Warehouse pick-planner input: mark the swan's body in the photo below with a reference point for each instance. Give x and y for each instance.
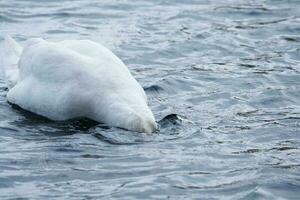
(75, 78)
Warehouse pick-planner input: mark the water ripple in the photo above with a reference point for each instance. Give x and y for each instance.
(222, 79)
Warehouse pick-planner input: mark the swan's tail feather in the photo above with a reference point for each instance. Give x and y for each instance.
(10, 58)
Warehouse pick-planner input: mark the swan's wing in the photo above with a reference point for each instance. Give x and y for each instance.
(51, 80)
(51, 62)
(54, 101)
(94, 50)
(107, 60)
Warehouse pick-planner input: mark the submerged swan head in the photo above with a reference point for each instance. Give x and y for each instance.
(129, 119)
(144, 124)
(131, 113)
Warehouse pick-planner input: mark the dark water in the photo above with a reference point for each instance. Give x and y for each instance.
(222, 77)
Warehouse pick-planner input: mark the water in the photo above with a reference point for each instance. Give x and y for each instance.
(222, 77)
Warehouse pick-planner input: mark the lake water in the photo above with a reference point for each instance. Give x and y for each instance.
(222, 78)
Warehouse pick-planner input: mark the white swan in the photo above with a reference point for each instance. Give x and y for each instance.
(75, 78)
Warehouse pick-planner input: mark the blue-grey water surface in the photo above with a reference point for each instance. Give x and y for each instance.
(222, 78)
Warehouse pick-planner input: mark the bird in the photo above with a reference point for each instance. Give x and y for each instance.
(70, 79)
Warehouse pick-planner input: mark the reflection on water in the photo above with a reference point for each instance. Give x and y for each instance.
(222, 78)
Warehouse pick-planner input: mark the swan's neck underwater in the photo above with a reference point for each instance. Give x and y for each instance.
(135, 117)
